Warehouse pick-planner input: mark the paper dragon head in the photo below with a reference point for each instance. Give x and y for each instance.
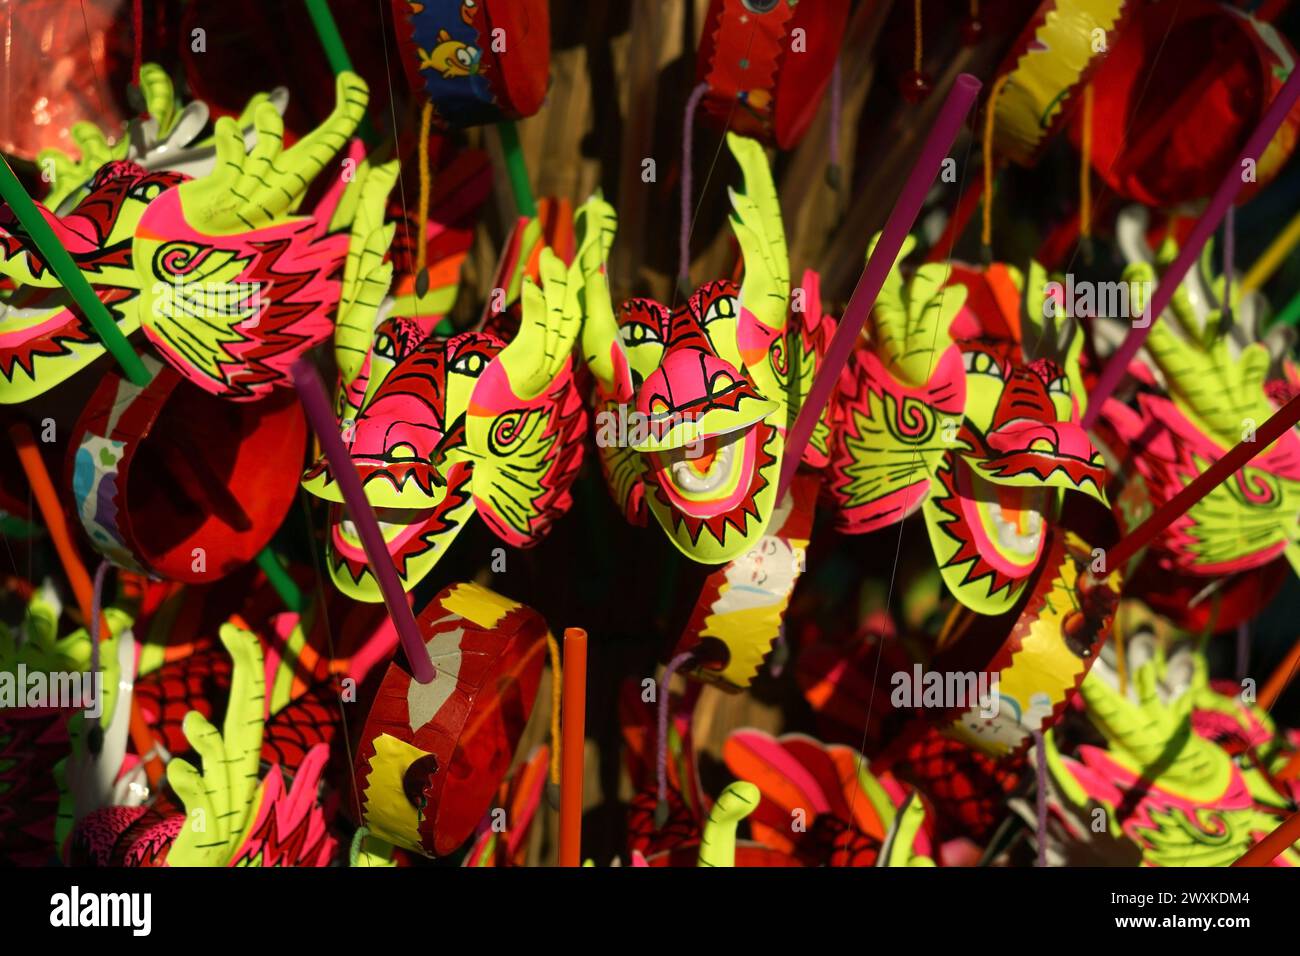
(450, 426)
(228, 283)
(695, 400)
(1210, 381)
(1019, 445)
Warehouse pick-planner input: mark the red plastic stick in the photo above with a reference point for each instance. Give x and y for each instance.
(571, 755)
(1114, 372)
(1204, 483)
(901, 219)
(311, 392)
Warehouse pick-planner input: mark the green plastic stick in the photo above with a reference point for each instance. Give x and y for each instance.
(1290, 313)
(327, 31)
(519, 184)
(61, 264)
(330, 38)
(284, 585)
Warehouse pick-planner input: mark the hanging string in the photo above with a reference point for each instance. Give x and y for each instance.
(916, 37)
(557, 691)
(1085, 169)
(1229, 256)
(1040, 758)
(986, 233)
(661, 754)
(688, 145)
(96, 608)
(1243, 650)
(1121, 654)
(422, 211)
(833, 127)
(137, 27)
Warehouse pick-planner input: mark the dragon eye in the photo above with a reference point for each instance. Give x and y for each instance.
(720, 383)
(384, 347)
(1061, 385)
(658, 408)
(638, 333)
(723, 308)
(982, 363)
(471, 364)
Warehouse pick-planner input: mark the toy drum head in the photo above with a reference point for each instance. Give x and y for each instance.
(1034, 657)
(1050, 62)
(432, 755)
(479, 61)
(756, 85)
(175, 483)
(741, 608)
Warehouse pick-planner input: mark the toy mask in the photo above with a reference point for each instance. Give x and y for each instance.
(1019, 445)
(1214, 395)
(901, 399)
(43, 339)
(229, 286)
(695, 400)
(464, 424)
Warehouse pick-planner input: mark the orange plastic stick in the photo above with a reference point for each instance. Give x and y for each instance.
(47, 499)
(1277, 681)
(1268, 849)
(575, 732)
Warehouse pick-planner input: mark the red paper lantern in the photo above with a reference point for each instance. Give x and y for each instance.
(1178, 96)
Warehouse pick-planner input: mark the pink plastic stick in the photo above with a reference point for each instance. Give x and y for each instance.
(942, 135)
(1113, 374)
(311, 392)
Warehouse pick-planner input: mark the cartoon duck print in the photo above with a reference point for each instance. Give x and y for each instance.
(451, 57)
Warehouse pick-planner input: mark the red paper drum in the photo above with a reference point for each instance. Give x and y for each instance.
(432, 755)
(1040, 651)
(1050, 62)
(1178, 96)
(767, 64)
(170, 481)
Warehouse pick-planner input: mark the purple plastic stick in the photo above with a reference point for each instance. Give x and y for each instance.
(311, 392)
(942, 135)
(1114, 372)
